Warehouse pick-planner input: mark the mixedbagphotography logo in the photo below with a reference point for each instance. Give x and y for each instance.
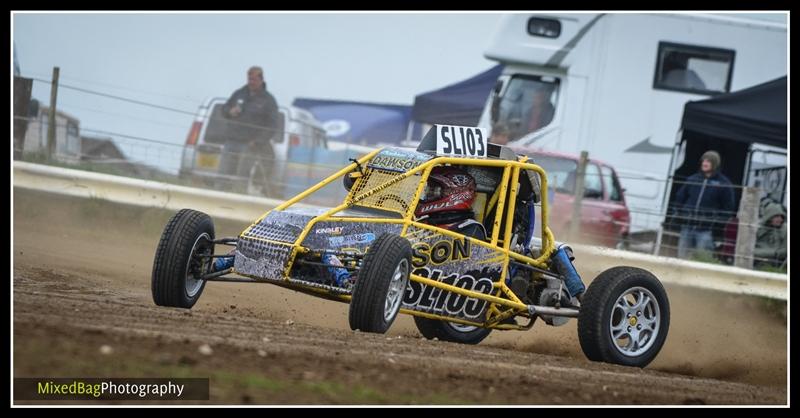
(164, 389)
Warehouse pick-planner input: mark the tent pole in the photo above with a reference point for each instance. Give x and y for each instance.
(667, 188)
(747, 164)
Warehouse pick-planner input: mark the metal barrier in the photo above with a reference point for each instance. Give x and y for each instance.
(247, 208)
(689, 273)
(137, 192)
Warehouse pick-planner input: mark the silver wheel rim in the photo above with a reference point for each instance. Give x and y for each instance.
(635, 322)
(397, 289)
(462, 327)
(192, 284)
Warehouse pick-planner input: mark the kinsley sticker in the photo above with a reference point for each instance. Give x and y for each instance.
(331, 230)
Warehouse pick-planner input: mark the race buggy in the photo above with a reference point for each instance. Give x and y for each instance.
(445, 233)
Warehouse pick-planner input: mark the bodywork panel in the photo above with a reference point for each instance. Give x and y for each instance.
(454, 277)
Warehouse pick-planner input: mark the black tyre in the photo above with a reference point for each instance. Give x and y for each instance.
(381, 284)
(448, 331)
(624, 317)
(178, 265)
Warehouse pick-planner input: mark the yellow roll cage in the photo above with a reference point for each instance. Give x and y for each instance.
(503, 304)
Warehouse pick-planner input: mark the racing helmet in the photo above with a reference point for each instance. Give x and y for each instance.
(449, 190)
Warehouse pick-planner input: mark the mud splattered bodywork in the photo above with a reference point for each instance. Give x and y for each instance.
(297, 245)
(264, 250)
(460, 262)
(462, 273)
(384, 190)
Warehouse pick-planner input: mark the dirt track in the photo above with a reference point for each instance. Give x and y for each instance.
(82, 280)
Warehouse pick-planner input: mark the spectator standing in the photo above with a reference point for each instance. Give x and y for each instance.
(253, 112)
(771, 238)
(704, 202)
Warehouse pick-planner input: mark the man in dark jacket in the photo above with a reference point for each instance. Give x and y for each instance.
(253, 122)
(771, 238)
(704, 202)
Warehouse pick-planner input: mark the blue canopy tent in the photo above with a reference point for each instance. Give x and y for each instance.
(359, 122)
(457, 104)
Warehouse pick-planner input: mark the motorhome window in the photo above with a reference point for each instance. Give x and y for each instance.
(527, 104)
(548, 28)
(693, 69)
(611, 184)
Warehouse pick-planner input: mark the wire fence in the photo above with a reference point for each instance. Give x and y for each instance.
(43, 77)
(249, 169)
(208, 160)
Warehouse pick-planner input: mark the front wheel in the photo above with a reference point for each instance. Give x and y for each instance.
(624, 317)
(449, 331)
(182, 258)
(381, 284)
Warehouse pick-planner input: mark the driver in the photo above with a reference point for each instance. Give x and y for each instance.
(447, 200)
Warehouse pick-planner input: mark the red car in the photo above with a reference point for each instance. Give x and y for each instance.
(605, 219)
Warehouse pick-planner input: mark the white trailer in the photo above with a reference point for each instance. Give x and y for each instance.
(616, 85)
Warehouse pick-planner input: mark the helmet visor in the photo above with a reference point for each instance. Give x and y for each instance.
(432, 191)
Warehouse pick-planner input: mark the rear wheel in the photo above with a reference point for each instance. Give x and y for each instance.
(182, 259)
(624, 317)
(449, 331)
(381, 284)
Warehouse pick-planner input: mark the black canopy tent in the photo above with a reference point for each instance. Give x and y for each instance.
(756, 114)
(730, 124)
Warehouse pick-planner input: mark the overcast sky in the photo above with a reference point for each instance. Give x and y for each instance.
(177, 60)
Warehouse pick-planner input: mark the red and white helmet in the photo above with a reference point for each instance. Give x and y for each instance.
(449, 189)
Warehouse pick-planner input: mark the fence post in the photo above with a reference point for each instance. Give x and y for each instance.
(51, 117)
(575, 222)
(748, 228)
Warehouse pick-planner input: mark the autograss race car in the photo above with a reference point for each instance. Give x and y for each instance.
(446, 233)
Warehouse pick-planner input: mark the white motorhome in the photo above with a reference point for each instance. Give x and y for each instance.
(615, 85)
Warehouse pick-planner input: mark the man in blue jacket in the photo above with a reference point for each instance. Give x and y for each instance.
(704, 202)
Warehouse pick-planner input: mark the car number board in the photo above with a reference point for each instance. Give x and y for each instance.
(461, 141)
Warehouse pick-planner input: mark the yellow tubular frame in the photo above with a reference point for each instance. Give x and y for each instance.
(503, 298)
